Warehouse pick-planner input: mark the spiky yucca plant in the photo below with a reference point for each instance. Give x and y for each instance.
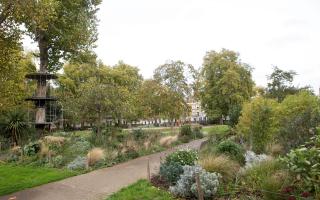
(15, 124)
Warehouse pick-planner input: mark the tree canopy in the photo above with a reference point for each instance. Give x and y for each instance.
(281, 84)
(62, 29)
(226, 82)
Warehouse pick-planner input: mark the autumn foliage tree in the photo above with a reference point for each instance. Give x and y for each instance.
(226, 83)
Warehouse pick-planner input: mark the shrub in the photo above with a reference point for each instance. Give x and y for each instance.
(80, 146)
(14, 125)
(171, 172)
(232, 149)
(253, 159)
(222, 165)
(266, 176)
(14, 154)
(299, 117)
(130, 153)
(94, 156)
(78, 163)
(182, 157)
(186, 186)
(274, 184)
(234, 114)
(185, 134)
(32, 148)
(258, 122)
(139, 134)
(304, 163)
(54, 140)
(254, 175)
(196, 131)
(57, 161)
(209, 184)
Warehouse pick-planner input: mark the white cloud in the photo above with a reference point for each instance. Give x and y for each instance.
(146, 33)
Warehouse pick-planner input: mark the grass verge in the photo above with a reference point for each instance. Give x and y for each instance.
(216, 129)
(141, 190)
(15, 178)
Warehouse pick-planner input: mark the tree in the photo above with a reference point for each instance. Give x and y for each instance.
(259, 123)
(128, 81)
(226, 83)
(152, 100)
(76, 72)
(91, 91)
(280, 84)
(61, 28)
(176, 77)
(12, 81)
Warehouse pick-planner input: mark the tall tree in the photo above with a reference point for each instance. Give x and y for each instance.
(226, 83)
(178, 79)
(61, 28)
(92, 91)
(76, 72)
(175, 75)
(12, 80)
(280, 84)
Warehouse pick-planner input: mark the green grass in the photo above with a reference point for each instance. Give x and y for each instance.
(141, 190)
(216, 129)
(15, 178)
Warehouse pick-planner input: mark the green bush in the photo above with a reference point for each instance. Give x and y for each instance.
(171, 172)
(196, 132)
(139, 134)
(234, 114)
(220, 164)
(186, 186)
(274, 184)
(57, 161)
(266, 176)
(182, 157)
(304, 163)
(80, 146)
(258, 123)
(231, 149)
(31, 149)
(132, 153)
(185, 134)
(299, 116)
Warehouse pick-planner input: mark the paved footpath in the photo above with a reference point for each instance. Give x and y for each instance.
(100, 183)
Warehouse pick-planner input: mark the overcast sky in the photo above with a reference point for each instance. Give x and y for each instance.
(146, 33)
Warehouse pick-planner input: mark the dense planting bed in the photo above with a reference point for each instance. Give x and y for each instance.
(65, 154)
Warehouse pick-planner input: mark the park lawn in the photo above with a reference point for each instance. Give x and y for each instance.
(216, 129)
(15, 178)
(141, 190)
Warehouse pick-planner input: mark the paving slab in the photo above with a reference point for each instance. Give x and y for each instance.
(99, 184)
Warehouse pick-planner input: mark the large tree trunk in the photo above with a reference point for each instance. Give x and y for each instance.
(42, 84)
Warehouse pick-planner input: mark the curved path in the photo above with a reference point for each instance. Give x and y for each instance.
(100, 183)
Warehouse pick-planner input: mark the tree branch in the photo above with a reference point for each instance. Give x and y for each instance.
(4, 14)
